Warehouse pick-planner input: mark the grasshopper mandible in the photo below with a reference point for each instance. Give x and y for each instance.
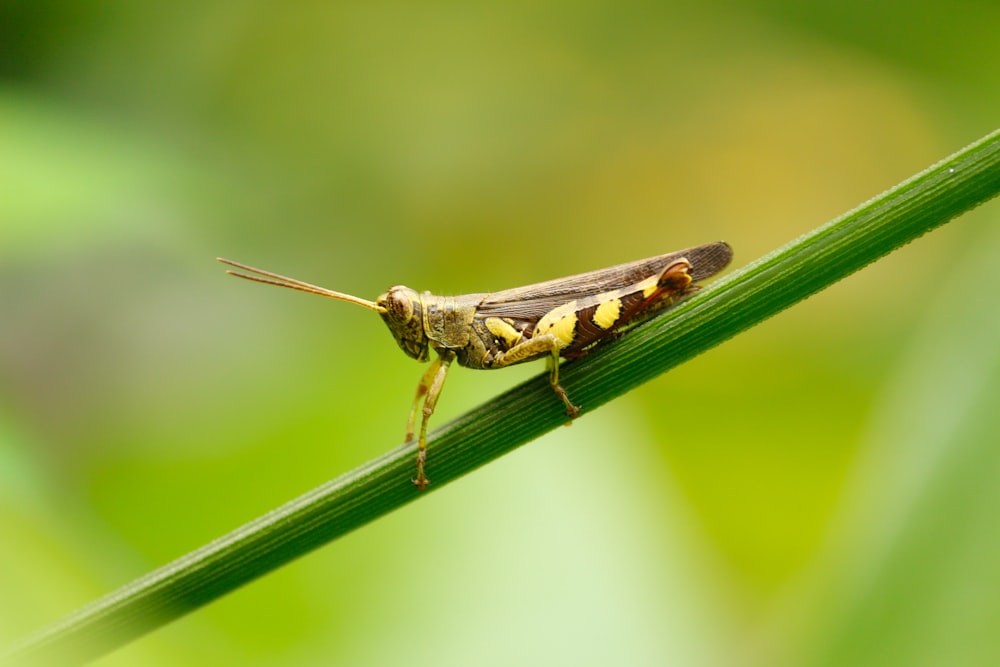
(564, 317)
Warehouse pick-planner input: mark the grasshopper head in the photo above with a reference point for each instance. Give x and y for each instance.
(402, 311)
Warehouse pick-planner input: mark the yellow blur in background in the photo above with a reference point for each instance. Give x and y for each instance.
(818, 491)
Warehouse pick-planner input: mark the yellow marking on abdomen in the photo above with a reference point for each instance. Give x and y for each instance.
(650, 288)
(560, 323)
(607, 312)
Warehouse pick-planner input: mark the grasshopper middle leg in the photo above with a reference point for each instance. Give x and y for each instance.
(572, 411)
(532, 349)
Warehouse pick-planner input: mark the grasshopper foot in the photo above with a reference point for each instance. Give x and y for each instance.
(421, 481)
(572, 411)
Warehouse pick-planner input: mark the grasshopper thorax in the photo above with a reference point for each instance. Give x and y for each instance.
(402, 311)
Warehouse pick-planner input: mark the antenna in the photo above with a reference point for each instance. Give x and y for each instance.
(292, 283)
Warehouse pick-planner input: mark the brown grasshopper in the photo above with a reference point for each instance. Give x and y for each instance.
(563, 317)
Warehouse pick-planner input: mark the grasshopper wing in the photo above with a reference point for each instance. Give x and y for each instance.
(531, 302)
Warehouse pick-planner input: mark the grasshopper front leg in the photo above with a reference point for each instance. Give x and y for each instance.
(428, 391)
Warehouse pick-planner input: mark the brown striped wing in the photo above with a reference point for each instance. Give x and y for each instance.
(531, 302)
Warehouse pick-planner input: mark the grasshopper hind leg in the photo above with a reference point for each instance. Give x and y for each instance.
(428, 392)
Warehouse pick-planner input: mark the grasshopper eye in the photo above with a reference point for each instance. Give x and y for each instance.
(398, 304)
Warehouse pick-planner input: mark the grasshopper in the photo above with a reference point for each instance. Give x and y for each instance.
(564, 317)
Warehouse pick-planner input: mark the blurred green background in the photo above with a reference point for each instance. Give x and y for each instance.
(819, 491)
